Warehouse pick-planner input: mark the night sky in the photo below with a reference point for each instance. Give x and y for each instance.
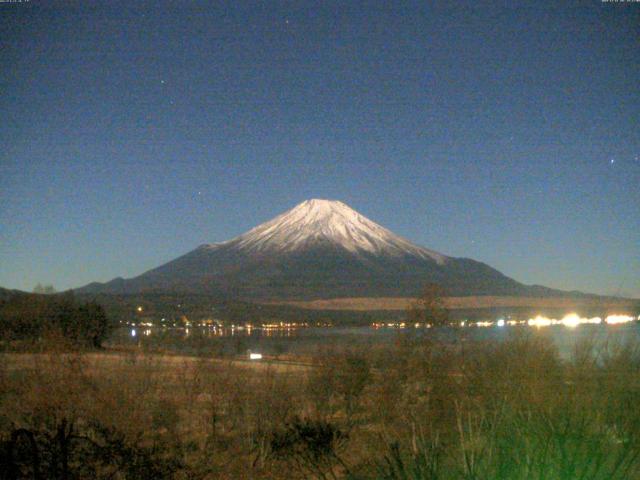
(134, 131)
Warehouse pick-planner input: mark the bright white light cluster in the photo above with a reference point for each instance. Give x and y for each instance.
(541, 321)
(614, 319)
(573, 320)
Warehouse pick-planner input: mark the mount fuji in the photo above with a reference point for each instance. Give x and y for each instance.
(319, 249)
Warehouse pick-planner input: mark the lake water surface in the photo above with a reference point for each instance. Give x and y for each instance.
(310, 339)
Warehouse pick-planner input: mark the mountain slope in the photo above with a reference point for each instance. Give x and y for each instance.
(318, 249)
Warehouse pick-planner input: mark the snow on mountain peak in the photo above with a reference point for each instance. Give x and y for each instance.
(318, 220)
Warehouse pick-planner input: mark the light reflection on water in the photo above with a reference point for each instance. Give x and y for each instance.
(296, 339)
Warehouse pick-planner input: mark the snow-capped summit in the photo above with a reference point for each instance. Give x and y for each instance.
(327, 221)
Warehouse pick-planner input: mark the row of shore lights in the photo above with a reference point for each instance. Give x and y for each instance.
(573, 320)
(570, 320)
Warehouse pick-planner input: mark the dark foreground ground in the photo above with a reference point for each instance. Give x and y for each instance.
(408, 409)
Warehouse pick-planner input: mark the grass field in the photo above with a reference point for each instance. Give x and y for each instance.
(408, 409)
(117, 360)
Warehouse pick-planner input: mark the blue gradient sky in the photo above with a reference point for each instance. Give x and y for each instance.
(134, 131)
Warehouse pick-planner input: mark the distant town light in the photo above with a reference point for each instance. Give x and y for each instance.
(539, 321)
(255, 356)
(133, 332)
(572, 320)
(500, 322)
(615, 319)
(139, 309)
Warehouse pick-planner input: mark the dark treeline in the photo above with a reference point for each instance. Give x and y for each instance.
(32, 318)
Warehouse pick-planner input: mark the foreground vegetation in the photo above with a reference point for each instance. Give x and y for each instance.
(413, 409)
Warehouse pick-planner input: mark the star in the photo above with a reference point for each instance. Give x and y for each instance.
(162, 82)
(613, 161)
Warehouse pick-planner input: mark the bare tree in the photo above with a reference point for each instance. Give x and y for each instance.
(429, 308)
(44, 289)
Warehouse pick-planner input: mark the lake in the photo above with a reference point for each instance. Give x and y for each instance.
(302, 341)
